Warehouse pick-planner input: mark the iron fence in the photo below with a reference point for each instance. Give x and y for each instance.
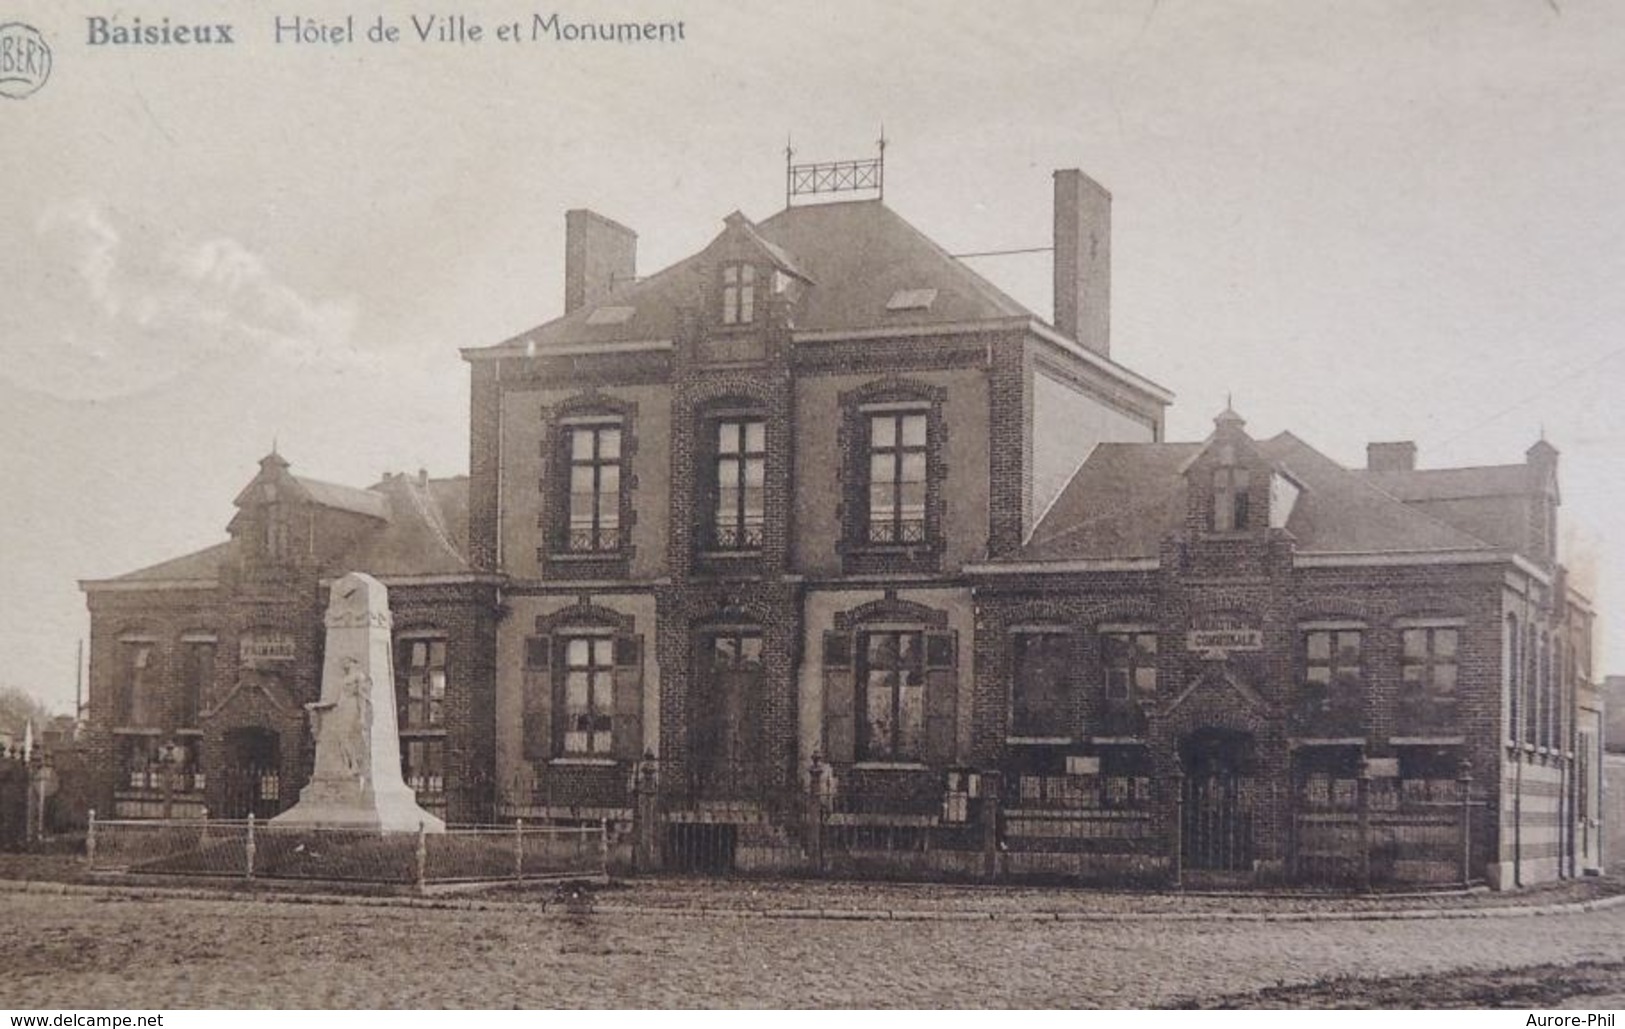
(250, 848)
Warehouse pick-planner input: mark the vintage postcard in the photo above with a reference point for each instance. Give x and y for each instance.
(682, 503)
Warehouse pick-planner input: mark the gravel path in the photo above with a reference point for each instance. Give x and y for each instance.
(107, 951)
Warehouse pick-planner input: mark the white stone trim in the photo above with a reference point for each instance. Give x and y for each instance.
(1090, 564)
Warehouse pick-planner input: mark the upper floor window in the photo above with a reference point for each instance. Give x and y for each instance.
(740, 467)
(738, 294)
(897, 477)
(1331, 659)
(1230, 499)
(1130, 660)
(422, 689)
(197, 673)
(140, 700)
(1038, 702)
(1427, 661)
(1531, 686)
(595, 486)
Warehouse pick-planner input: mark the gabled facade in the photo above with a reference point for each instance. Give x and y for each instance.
(734, 501)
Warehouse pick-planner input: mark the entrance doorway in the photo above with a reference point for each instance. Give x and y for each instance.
(1219, 801)
(725, 736)
(251, 781)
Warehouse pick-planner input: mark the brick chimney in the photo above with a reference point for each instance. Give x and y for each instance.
(600, 256)
(1083, 260)
(1399, 456)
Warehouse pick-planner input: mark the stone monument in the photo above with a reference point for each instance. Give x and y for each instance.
(357, 779)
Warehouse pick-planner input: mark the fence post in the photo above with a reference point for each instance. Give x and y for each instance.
(1464, 786)
(519, 850)
(603, 847)
(992, 794)
(1176, 830)
(90, 839)
(645, 818)
(423, 858)
(248, 849)
(815, 813)
(1362, 799)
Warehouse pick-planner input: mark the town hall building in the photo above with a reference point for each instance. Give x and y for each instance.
(815, 551)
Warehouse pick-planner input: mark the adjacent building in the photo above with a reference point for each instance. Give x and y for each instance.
(815, 549)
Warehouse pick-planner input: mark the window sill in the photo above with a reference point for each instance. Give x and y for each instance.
(137, 730)
(925, 546)
(1038, 741)
(428, 732)
(892, 766)
(586, 557)
(583, 762)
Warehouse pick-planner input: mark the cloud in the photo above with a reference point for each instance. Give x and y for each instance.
(108, 306)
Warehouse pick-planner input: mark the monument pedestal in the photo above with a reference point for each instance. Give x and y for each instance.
(357, 779)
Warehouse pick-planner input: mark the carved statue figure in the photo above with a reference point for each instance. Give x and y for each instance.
(345, 724)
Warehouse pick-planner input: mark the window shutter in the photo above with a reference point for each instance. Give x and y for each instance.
(538, 687)
(941, 697)
(839, 744)
(627, 723)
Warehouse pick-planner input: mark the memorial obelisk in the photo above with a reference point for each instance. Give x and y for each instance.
(357, 779)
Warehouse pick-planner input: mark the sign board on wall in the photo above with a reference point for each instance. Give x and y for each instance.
(268, 648)
(1382, 767)
(1216, 643)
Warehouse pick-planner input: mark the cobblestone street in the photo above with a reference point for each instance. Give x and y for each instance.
(84, 951)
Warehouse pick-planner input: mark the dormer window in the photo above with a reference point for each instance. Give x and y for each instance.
(1230, 501)
(1283, 498)
(738, 294)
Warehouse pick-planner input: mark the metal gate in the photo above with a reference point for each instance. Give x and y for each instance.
(250, 791)
(705, 847)
(1218, 823)
(1216, 831)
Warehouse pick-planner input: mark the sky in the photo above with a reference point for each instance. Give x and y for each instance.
(1363, 221)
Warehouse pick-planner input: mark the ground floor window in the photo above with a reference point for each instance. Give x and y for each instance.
(589, 695)
(893, 701)
(423, 764)
(1038, 704)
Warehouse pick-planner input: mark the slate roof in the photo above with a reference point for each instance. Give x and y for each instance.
(1127, 497)
(853, 256)
(199, 566)
(1453, 483)
(422, 530)
(344, 498)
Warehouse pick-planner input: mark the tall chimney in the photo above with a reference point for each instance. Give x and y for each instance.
(1083, 260)
(600, 256)
(1399, 456)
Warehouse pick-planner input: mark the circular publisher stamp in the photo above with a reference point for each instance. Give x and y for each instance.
(25, 60)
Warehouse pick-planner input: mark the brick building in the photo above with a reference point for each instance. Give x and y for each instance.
(200, 667)
(815, 549)
(1301, 647)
